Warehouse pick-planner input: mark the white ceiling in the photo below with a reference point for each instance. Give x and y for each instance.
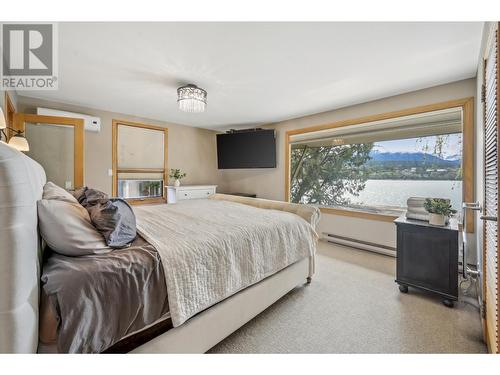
(255, 73)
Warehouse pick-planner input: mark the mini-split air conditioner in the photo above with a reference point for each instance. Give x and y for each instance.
(92, 124)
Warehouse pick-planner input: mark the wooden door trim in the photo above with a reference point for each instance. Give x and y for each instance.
(483, 252)
(493, 347)
(497, 333)
(10, 111)
(20, 120)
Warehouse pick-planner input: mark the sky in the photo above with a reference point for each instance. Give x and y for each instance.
(453, 145)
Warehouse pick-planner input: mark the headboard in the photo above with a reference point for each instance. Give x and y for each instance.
(21, 186)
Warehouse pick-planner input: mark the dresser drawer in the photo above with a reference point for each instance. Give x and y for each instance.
(194, 194)
(180, 193)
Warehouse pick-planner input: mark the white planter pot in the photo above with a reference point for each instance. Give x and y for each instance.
(177, 183)
(436, 219)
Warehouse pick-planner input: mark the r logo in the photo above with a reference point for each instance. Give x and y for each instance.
(28, 49)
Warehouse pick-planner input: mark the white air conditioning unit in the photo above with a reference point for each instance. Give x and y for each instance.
(92, 124)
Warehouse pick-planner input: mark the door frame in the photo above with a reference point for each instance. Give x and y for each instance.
(10, 111)
(493, 347)
(20, 120)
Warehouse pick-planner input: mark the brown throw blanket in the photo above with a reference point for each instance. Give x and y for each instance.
(99, 299)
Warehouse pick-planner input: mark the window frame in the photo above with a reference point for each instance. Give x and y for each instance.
(467, 105)
(117, 170)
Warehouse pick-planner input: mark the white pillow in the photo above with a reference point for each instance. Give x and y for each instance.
(67, 229)
(52, 191)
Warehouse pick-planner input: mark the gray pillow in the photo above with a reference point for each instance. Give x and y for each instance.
(67, 229)
(114, 219)
(52, 191)
(87, 197)
(79, 194)
(93, 196)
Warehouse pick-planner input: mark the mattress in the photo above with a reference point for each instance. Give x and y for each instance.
(75, 311)
(211, 249)
(204, 251)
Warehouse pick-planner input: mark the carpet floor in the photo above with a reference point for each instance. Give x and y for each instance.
(354, 306)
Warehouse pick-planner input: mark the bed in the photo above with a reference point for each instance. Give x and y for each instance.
(194, 322)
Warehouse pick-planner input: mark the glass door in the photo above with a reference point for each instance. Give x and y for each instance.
(57, 144)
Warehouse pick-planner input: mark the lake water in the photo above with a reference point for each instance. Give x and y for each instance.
(396, 192)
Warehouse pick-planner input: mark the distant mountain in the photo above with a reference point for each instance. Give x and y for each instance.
(414, 157)
(454, 157)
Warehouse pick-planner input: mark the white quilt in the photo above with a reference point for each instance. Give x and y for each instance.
(211, 249)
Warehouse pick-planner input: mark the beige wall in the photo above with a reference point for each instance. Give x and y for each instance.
(12, 95)
(194, 151)
(270, 183)
(190, 149)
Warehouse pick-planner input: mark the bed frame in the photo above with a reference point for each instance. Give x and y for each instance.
(211, 326)
(21, 186)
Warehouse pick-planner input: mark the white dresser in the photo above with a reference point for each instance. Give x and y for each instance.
(175, 194)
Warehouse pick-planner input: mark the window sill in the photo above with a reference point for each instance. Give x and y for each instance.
(138, 201)
(359, 214)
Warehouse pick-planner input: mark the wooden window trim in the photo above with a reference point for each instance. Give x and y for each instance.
(10, 111)
(467, 105)
(20, 120)
(116, 170)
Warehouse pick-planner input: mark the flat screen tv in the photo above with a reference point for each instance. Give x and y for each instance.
(255, 148)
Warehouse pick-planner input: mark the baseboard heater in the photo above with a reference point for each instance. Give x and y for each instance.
(360, 244)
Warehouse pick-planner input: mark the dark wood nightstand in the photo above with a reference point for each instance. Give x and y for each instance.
(427, 257)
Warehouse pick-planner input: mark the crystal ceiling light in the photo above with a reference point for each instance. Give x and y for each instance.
(191, 98)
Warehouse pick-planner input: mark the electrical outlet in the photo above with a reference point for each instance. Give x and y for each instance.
(68, 185)
(110, 172)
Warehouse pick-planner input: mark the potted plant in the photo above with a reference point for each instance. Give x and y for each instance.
(177, 175)
(439, 210)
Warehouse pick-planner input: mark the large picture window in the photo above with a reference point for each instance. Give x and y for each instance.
(378, 176)
(375, 166)
(139, 161)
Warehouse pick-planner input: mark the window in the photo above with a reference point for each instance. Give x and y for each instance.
(374, 167)
(130, 188)
(139, 161)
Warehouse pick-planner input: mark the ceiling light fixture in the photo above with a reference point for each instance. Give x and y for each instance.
(19, 142)
(191, 98)
(3, 122)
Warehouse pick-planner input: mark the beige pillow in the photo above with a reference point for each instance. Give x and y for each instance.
(52, 191)
(67, 229)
